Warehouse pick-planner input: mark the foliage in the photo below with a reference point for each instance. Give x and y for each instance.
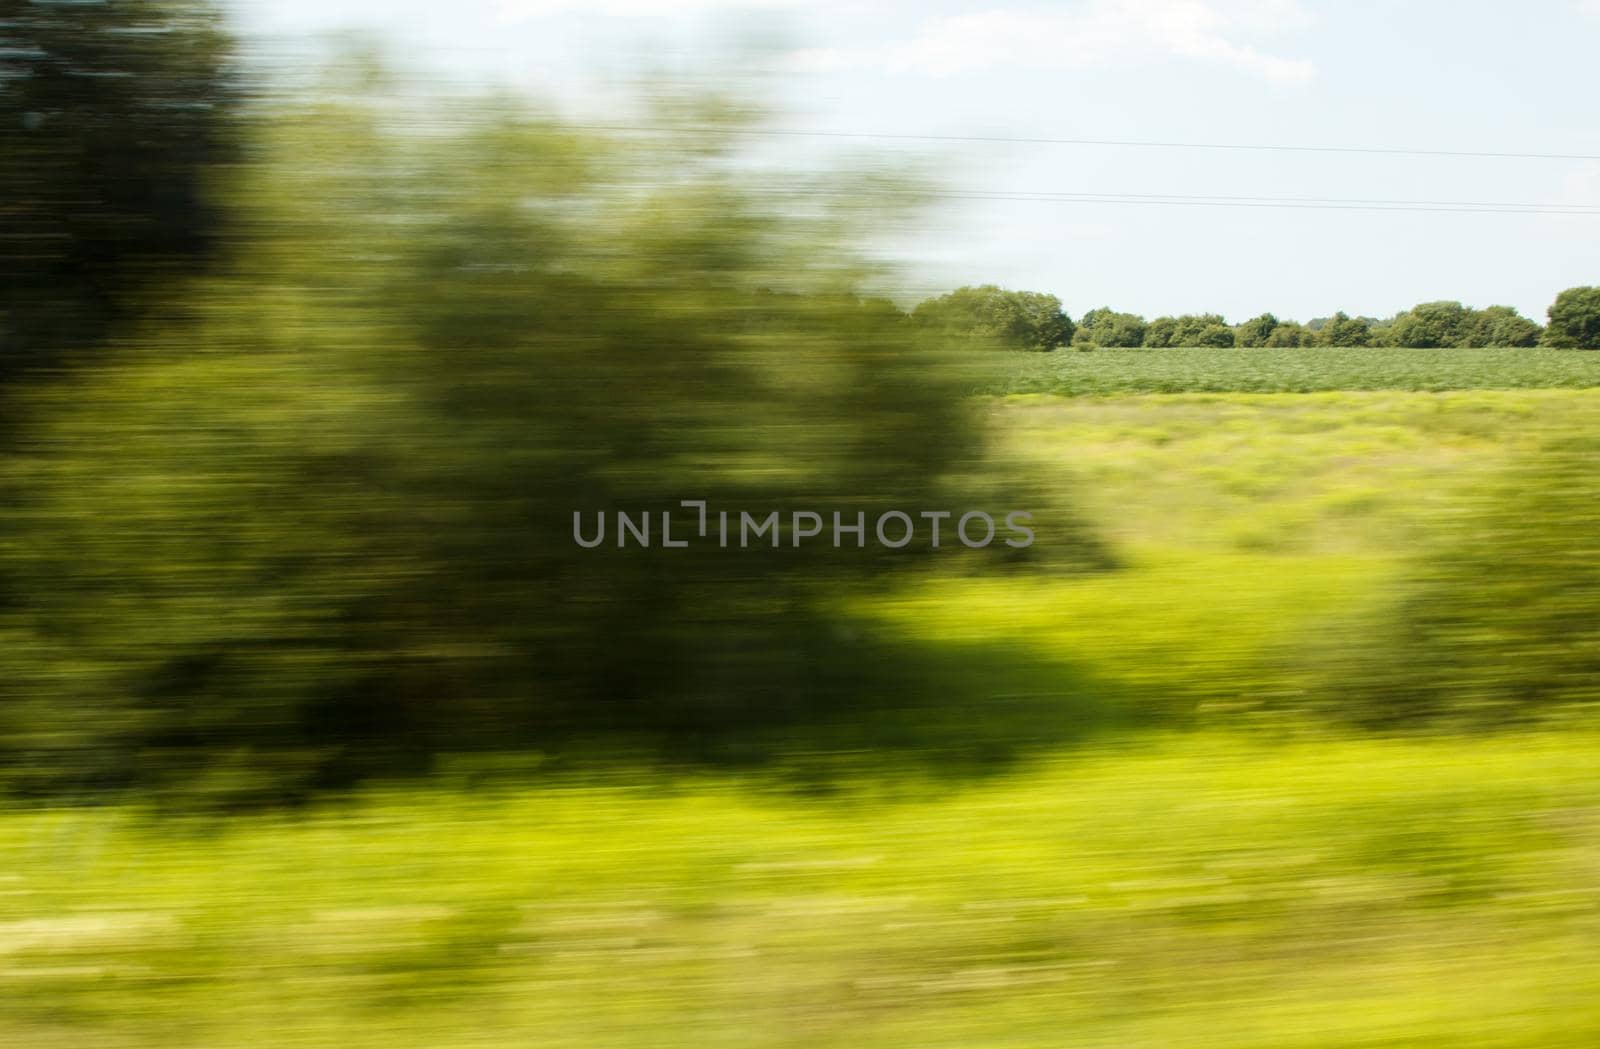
(1290, 334)
(1020, 319)
(1501, 326)
(341, 539)
(1257, 330)
(1344, 330)
(1431, 324)
(1451, 325)
(112, 116)
(1575, 319)
(1499, 618)
(1106, 327)
(1188, 330)
(1159, 333)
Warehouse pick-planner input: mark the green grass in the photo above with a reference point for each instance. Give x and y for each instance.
(1206, 890)
(1249, 527)
(1251, 882)
(1105, 371)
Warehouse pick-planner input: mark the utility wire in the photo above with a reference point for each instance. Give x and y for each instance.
(1221, 198)
(1464, 207)
(1292, 203)
(1110, 142)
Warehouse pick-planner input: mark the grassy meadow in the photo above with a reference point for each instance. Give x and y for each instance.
(1237, 876)
(1203, 890)
(1246, 525)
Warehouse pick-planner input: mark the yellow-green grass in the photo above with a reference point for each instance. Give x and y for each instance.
(1280, 887)
(1353, 471)
(1246, 525)
(1205, 890)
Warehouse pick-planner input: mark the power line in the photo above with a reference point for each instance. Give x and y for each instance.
(1291, 203)
(1107, 142)
(1464, 207)
(1585, 209)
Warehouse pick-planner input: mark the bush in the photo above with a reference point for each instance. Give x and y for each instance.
(1499, 622)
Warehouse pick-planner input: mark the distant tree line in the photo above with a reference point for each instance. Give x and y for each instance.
(1036, 321)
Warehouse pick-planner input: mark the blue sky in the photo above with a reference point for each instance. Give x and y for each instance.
(1469, 75)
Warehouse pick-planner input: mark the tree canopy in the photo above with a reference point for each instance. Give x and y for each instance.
(1575, 319)
(1019, 319)
(112, 116)
(1107, 327)
(1344, 330)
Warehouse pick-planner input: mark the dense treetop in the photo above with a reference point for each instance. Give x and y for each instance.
(1020, 319)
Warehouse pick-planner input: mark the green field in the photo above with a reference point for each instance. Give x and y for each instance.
(1177, 370)
(1248, 526)
(1237, 879)
(1203, 890)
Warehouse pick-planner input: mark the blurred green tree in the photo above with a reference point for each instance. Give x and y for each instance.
(111, 117)
(340, 537)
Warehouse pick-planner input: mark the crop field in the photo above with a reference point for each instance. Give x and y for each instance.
(1243, 879)
(1178, 370)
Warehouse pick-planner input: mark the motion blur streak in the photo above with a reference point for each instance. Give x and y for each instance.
(318, 728)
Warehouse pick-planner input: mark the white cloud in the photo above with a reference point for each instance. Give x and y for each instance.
(1096, 33)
